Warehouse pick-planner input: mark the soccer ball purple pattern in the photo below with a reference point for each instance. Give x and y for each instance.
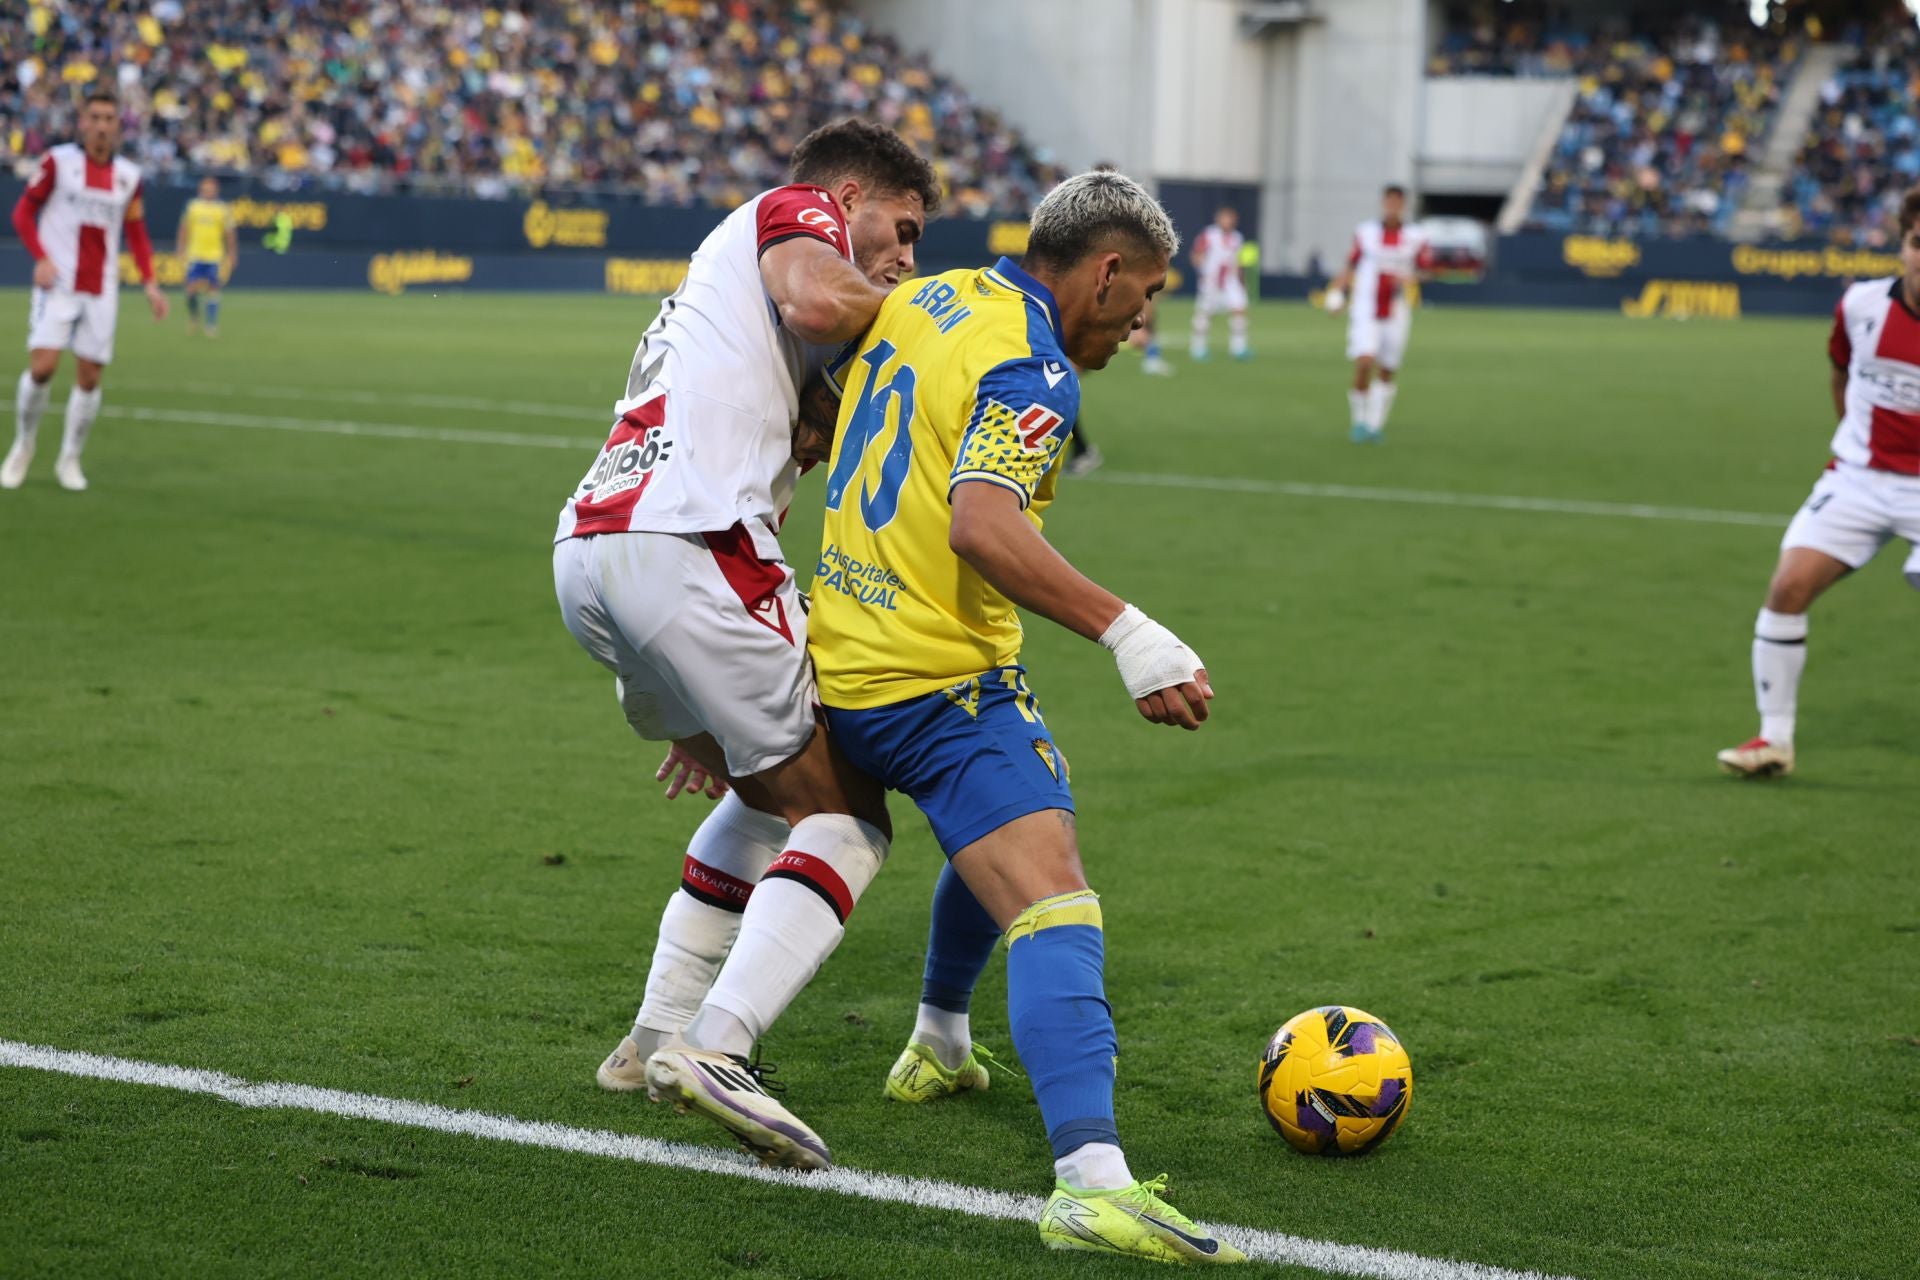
(1335, 1081)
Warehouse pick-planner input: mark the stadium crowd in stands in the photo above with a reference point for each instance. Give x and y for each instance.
(1863, 149)
(676, 101)
(1659, 138)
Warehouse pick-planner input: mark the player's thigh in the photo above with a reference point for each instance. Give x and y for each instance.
(729, 636)
(649, 701)
(1904, 495)
(1394, 333)
(52, 317)
(1234, 295)
(1843, 518)
(973, 758)
(1363, 337)
(93, 335)
(1017, 864)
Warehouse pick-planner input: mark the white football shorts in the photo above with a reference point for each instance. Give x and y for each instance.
(700, 634)
(1383, 340)
(1854, 511)
(1231, 296)
(62, 320)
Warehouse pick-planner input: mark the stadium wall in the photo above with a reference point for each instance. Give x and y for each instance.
(393, 244)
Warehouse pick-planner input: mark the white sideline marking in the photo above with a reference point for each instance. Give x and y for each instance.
(346, 395)
(923, 1193)
(1214, 484)
(1440, 498)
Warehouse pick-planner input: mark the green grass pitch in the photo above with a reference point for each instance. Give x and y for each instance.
(302, 779)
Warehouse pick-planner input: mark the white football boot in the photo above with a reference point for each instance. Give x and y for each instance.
(13, 472)
(66, 469)
(1758, 759)
(729, 1091)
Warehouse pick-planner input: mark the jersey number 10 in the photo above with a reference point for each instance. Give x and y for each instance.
(863, 431)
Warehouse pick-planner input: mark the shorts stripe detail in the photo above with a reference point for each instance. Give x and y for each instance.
(757, 582)
(818, 875)
(715, 888)
(1081, 907)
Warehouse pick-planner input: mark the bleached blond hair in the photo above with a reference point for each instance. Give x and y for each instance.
(1086, 212)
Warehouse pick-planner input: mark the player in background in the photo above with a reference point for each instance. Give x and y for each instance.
(70, 218)
(957, 407)
(1147, 339)
(209, 244)
(1868, 495)
(1387, 253)
(1216, 268)
(669, 573)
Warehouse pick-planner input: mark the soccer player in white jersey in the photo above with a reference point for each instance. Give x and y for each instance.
(1387, 253)
(1216, 269)
(670, 574)
(70, 218)
(1868, 495)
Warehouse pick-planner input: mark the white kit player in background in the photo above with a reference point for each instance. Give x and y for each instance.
(1868, 495)
(70, 218)
(670, 574)
(1387, 253)
(1219, 284)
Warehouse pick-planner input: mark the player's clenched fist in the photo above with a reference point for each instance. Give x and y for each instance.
(1168, 683)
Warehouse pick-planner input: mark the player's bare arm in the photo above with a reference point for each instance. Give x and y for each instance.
(820, 295)
(992, 533)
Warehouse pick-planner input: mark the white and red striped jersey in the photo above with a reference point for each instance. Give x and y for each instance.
(1876, 339)
(703, 439)
(1218, 254)
(1383, 260)
(72, 213)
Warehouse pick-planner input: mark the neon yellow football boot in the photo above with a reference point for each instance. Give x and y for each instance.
(1133, 1221)
(919, 1076)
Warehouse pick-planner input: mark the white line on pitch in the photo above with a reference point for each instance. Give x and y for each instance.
(1440, 498)
(1215, 484)
(923, 1193)
(349, 395)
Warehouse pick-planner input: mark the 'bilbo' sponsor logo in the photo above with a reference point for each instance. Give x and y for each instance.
(393, 272)
(569, 228)
(868, 583)
(645, 275)
(1685, 300)
(1598, 256)
(1830, 263)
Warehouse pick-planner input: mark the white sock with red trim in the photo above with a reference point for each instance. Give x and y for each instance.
(1202, 322)
(794, 920)
(29, 402)
(1779, 658)
(1237, 333)
(1357, 407)
(725, 860)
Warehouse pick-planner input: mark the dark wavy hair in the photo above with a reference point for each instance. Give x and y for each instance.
(871, 154)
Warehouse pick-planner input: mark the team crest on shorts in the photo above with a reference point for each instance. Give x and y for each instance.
(1052, 757)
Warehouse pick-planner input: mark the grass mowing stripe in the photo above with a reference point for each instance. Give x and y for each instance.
(1215, 484)
(1439, 498)
(979, 1202)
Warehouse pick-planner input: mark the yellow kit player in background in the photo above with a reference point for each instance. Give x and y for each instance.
(210, 246)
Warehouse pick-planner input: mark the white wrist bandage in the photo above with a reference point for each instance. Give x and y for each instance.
(1149, 656)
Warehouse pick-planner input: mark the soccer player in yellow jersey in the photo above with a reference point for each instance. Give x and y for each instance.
(210, 245)
(957, 406)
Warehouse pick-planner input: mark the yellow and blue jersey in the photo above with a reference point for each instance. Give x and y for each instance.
(960, 380)
(207, 224)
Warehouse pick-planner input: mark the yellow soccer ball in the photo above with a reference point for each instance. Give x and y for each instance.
(1335, 1081)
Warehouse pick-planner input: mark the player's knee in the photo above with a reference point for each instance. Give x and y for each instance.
(86, 375)
(1792, 590)
(834, 854)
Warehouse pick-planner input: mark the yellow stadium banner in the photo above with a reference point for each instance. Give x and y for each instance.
(306, 215)
(391, 273)
(545, 225)
(169, 270)
(1684, 300)
(645, 275)
(1598, 257)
